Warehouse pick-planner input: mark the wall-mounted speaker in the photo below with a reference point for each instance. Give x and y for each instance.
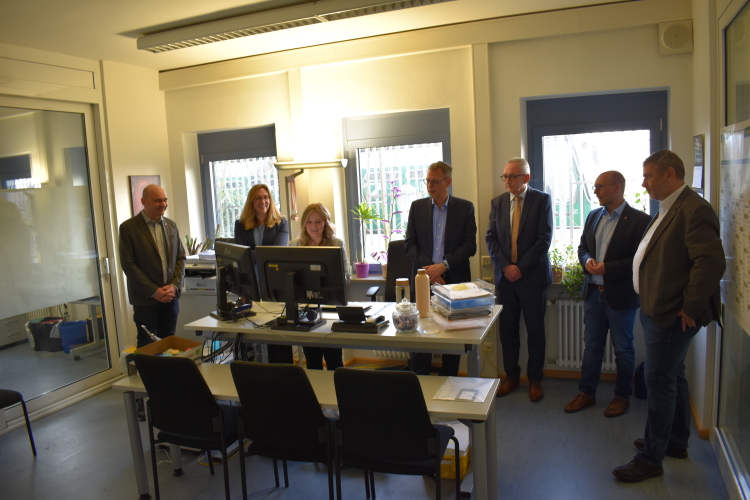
(676, 37)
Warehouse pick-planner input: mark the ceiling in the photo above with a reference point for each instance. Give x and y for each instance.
(108, 29)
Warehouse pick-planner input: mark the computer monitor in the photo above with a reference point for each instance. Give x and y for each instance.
(235, 273)
(307, 275)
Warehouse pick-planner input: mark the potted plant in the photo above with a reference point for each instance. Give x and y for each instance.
(193, 246)
(572, 281)
(364, 213)
(557, 260)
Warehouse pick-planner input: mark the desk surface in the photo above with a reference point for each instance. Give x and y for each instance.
(219, 380)
(454, 340)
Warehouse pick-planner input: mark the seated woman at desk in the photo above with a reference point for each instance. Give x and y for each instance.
(261, 224)
(317, 230)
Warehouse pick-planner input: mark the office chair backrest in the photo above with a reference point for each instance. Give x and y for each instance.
(383, 415)
(177, 390)
(279, 406)
(399, 266)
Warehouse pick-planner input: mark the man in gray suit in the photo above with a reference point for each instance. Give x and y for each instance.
(676, 271)
(153, 259)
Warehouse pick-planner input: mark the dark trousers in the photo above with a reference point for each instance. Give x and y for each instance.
(160, 319)
(314, 357)
(280, 354)
(599, 319)
(532, 301)
(421, 364)
(668, 419)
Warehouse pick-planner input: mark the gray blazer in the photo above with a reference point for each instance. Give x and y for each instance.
(141, 263)
(683, 264)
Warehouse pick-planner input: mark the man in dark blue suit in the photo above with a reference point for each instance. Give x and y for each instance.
(441, 236)
(609, 241)
(518, 238)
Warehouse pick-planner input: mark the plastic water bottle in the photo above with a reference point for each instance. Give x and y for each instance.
(422, 290)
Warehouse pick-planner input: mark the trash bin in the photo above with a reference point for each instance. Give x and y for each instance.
(72, 333)
(41, 330)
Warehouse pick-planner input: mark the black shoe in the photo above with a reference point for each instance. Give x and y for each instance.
(636, 471)
(672, 451)
(141, 410)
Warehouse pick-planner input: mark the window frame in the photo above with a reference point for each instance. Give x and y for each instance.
(595, 113)
(258, 142)
(391, 129)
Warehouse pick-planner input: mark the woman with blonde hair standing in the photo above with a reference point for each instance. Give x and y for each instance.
(317, 230)
(261, 224)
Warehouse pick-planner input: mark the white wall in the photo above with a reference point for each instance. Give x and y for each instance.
(137, 145)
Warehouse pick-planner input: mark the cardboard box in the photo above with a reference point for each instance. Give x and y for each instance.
(188, 348)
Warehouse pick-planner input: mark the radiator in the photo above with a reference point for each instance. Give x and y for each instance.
(570, 337)
(42, 313)
(391, 354)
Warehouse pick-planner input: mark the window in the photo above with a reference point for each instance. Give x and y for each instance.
(391, 153)
(573, 140)
(231, 180)
(391, 178)
(231, 163)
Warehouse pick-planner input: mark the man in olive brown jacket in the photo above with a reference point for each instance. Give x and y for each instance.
(676, 272)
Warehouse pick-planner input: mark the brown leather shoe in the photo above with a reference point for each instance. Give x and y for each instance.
(535, 391)
(579, 403)
(617, 407)
(507, 387)
(636, 471)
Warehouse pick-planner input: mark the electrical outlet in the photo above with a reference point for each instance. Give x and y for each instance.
(486, 261)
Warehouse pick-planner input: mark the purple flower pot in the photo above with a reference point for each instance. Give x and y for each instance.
(362, 269)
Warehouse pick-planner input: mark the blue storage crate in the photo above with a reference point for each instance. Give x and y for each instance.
(72, 333)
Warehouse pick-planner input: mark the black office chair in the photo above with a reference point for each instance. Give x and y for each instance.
(181, 406)
(281, 415)
(399, 266)
(383, 426)
(10, 398)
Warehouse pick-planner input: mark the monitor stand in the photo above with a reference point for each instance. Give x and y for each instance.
(292, 322)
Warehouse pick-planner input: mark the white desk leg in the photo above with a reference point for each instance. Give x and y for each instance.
(491, 432)
(472, 361)
(479, 452)
(136, 446)
(175, 454)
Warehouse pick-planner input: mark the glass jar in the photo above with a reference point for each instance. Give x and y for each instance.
(405, 316)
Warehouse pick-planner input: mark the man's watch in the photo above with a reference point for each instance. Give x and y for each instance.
(445, 266)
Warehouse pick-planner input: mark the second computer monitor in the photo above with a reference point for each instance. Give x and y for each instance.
(312, 275)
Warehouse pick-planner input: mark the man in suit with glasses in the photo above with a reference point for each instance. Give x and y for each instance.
(441, 236)
(518, 238)
(608, 244)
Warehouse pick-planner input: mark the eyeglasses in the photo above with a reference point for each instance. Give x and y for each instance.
(434, 182)
(511, 177)
(599, 186)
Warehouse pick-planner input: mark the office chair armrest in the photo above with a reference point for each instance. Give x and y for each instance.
(372, 292)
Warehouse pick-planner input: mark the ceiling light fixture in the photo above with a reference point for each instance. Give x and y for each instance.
(284, 18)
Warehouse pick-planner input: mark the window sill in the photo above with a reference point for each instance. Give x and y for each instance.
(374, 278)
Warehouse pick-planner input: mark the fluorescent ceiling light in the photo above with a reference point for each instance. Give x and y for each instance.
(322, 11)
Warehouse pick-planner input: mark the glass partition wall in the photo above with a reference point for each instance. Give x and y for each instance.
(51, 328)
(733, 430)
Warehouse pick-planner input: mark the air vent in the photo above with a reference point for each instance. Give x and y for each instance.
(269, 21)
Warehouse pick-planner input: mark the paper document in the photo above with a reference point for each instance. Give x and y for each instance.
(464, 389)
(460, 291)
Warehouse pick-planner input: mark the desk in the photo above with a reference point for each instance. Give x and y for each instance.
(97, 343)
(443, 342)
(480, 417)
